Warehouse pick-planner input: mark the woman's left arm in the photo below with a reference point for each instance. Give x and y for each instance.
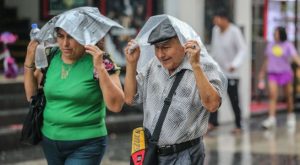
(112, 90)
(296, 59)
(110, 84)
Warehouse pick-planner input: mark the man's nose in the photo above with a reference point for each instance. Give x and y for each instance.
(159, 53)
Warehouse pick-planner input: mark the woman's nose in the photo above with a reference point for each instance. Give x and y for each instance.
(66, 42)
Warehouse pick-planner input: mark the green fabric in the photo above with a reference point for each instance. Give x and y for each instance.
(75, 109)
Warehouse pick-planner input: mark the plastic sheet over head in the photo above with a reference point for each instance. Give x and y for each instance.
(85, 24)
(183, 30)
(184, 33)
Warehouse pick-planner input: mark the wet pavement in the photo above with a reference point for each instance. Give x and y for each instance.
(254, 146)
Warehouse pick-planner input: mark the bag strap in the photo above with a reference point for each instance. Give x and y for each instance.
(52, 52)
(167, 103)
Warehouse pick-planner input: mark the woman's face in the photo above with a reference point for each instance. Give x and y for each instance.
(68, 45)
(276, 36)
(100, 44)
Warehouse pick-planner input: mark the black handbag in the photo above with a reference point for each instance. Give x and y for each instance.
(31, 131)
(149, 154)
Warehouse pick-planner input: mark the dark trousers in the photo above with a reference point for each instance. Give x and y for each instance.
(232, 91)
(194, 155)
(76, 152)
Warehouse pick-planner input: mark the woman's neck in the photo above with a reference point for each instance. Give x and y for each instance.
(70, 59)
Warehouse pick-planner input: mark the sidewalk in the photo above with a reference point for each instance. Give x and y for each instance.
(117, 153)
(253, 146)
(43, 162)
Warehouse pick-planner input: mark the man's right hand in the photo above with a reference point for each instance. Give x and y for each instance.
(132, 55)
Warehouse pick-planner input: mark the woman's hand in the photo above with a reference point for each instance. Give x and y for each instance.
(30, 55)
(132, 52)
(192, 50)
(97, 56)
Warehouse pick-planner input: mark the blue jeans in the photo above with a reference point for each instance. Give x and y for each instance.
(75, 152)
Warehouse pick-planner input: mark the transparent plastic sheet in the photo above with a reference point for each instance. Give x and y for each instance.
(183, 30)
(184, 33)
(85, 24)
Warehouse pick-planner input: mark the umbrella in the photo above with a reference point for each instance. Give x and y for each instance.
(85, 24)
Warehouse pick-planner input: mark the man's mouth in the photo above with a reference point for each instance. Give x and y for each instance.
(165, 60)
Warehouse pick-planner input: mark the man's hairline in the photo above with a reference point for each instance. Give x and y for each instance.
(159, 44)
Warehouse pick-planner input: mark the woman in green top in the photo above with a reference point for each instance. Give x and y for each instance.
(79, 85)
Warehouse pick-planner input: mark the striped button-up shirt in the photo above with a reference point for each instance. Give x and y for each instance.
(186, 119)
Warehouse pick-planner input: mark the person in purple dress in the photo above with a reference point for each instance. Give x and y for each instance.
(277, 66)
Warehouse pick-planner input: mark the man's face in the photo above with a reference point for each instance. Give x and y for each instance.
(170, 54)
(68, 45)
(217, 21)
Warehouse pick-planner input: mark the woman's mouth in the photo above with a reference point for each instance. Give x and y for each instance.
(67, 50)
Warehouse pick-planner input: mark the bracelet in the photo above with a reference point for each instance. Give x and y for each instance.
(29, 66)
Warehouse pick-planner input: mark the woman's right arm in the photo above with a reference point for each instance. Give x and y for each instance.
(30, 73)
(262, 72)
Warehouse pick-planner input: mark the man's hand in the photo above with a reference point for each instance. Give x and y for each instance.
(231, 69)
(132, 52)
(192, 50)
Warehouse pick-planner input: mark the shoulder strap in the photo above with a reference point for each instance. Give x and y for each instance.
(51, 53)
(167, 103)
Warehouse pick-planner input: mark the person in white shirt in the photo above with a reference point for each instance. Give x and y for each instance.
(229, 50)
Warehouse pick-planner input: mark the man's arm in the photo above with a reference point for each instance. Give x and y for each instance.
(209, 96)
(130, 84)
(242, 49)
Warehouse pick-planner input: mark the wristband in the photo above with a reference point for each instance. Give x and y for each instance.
(29, 66)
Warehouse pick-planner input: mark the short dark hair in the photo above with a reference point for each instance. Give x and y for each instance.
(282, 33)
(222, 12)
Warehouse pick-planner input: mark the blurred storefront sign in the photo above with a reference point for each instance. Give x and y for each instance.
(279, 13)
(131, 14)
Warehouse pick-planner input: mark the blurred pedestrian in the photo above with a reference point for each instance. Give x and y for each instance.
(229, 50)
(78, 87)
(176, 47)
(277, 66)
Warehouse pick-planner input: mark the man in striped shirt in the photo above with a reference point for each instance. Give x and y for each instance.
(199, 92)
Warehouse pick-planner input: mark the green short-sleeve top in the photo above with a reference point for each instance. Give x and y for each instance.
(75, 108)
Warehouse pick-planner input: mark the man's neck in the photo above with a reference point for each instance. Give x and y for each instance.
(225, 27)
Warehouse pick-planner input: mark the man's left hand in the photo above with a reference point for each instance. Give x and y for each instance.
(231, 69)
(192, 50)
